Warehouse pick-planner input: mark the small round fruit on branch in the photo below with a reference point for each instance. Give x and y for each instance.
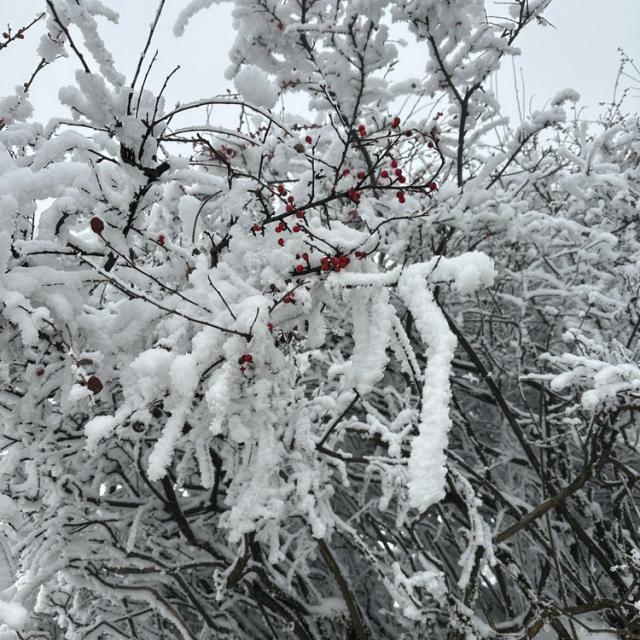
(96, 224)
(94, 384)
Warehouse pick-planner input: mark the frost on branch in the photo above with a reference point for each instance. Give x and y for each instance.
(427, 462)
(365, 372)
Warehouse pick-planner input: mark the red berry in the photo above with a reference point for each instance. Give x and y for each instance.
(395, 123)
(433, 186)
(39, 372)
(398, 172)
(343, 261)
(256, 228)
(289, 207)
(401, 200)
(361, 175)
(161, 240)
(402, 179)
(270, 326)
(97, 226)
(362, 130)
(281, 189)
(281, 242)
(290, 199)
(296, 228)
(299, 268)
(394, 164)
(305, 257)
(345, 172)
(308, 139)
(299, 214)
(430, 145)
(384, 173)
(325, 266)
(399, 194)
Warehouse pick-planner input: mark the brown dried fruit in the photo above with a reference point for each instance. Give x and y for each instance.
(94, 385)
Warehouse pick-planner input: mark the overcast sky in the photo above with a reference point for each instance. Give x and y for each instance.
(579, 51)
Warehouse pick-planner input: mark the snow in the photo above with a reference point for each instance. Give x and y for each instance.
(13, 614)
(328, 413)
(467, 272)
(565, 95)
(8, 509)
(427, 461)
(371, 313)
(98, 428)
(254, 86)
(188, 12)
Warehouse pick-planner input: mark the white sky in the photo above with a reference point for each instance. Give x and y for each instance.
(580, 52)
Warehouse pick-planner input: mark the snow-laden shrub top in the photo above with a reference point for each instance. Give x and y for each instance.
(333, 375)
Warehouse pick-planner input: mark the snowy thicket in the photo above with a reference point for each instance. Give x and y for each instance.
(368, 372)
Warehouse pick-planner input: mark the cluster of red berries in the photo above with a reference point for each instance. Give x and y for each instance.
(337, 263)
(290, 201)
(401, 197)
(279, 229)
(300, 268)
(353, 195)
(397, 172)
(224, 150)
(289, 298)
(296, 228)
